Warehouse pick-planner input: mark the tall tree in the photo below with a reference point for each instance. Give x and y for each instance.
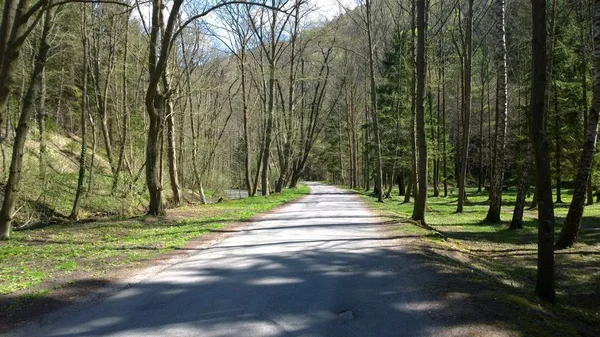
(84, 115)
(465, 107)
(493, 214)
(544, 287)
(13, 183)
(373, 98)
(421, 196)
(570, 230)
(162, 37)
(124, 104)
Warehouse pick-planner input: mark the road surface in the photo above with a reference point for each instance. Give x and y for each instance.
(322, 266)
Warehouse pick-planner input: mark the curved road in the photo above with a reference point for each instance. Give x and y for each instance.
(322, 266)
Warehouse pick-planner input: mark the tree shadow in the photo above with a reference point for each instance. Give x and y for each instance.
(317, 275)
(316, 292)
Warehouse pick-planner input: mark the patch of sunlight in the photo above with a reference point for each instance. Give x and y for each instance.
(173, 292)
(273, 266)
(127, 293)
(378, 273)
(420, 306)
(85, 329)
(267, 281)
(474, 330)
(292, 322)
(512, 283)
(521, 301)
(106, 321)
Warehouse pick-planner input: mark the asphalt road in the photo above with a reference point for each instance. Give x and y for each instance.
(322, 266)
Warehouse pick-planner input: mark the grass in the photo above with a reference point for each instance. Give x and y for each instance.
(33, 259)
(505, 260)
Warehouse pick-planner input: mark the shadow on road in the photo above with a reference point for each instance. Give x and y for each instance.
(379, 293)
(277, 280)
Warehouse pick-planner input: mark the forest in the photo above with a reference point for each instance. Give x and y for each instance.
(117, 108)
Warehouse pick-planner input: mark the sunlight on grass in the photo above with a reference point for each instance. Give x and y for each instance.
(36, 256)
(506, 259)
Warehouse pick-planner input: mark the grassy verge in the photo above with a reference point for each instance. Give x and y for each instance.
(504, 261)
(34, 263)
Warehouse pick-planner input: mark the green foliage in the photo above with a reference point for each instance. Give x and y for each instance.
(393, 103)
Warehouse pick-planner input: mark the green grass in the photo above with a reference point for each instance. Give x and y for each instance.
(34, 257)
(505, 260)
(36, 295)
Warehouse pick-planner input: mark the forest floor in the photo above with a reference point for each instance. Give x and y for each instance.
(500, 264)
(46, 268)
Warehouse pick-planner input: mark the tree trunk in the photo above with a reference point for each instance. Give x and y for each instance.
(12, 35)
(590, 192)
(160, 45)
(171, 154)
(367, 150)
(534, 200)
(558, 144)
(93, 156)
(125, 108)
(257, 173)
(480, 175)
(445, 132)
(466, 109)
(266, 154)
(152, 156)
(421, 196)
(41, 122)
(195, 134)
(435, 141)
(572, 224)
(409, 188)
(584, 90)
(413, 103)
(438, 150)
(101, 91)
(401, 184)
(247, 167)
(493, 215)
(201, 192)
(374, 110)
(84, 116)
(490, 139)
(517, 219)
(13, 184)
(545, 266)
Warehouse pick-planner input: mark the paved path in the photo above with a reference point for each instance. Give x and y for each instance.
(318, 267)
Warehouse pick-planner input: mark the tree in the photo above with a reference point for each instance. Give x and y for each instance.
(162, 38)
(466, 107)
(373, 98)
(421, 196)
(236, 22)
(572, 224)
(501, 117)
(84, 115)
(544, 287)
(13, 183)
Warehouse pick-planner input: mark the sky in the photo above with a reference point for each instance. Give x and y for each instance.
(329, 9)
(324, 10)
(321, 11)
